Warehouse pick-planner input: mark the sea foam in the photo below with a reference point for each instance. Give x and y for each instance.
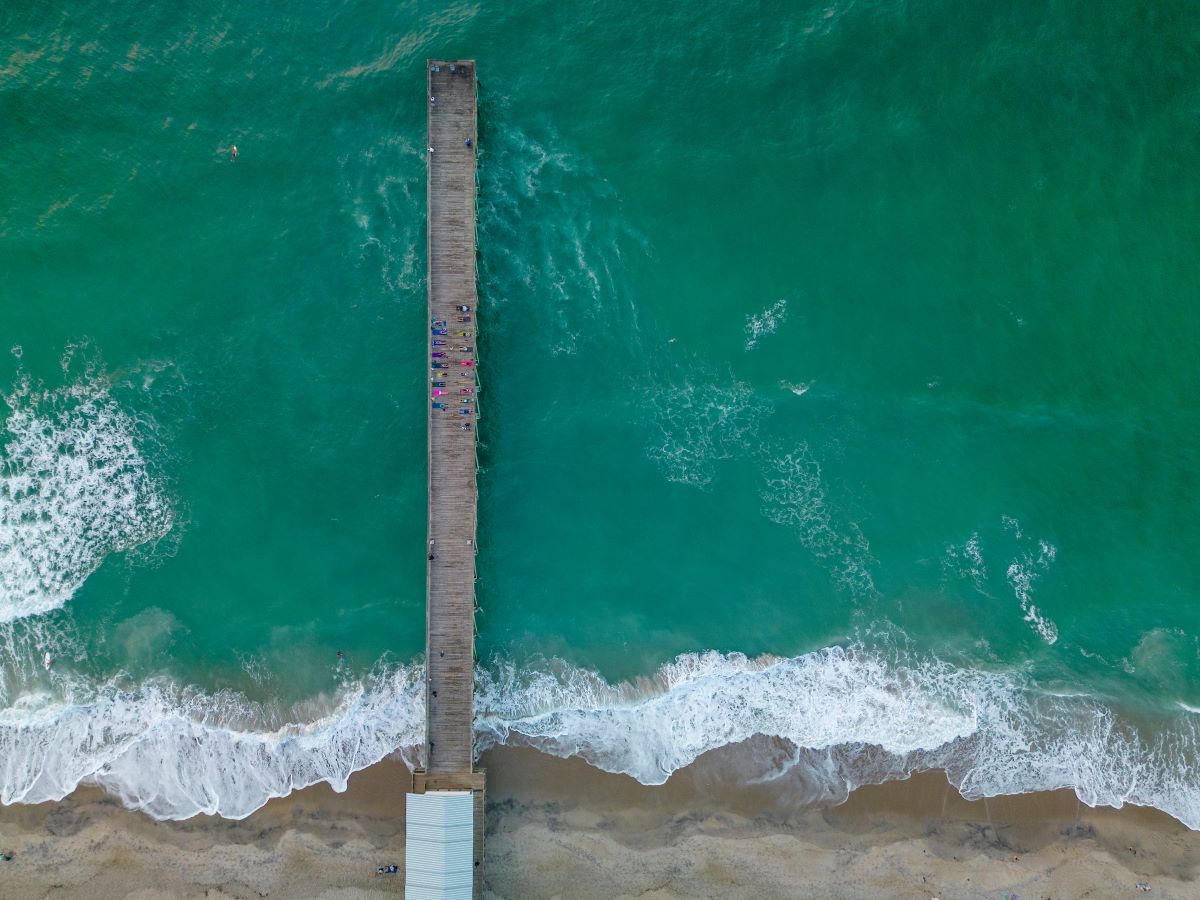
(553, 228)
(758, 325)
(74, 488)
(868, 717)
(175, 752)
(850, 715)
(794, 495)
(1023, 573)
(704, 701)
(702, 420)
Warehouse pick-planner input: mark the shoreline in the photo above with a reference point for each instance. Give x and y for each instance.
(560, 828)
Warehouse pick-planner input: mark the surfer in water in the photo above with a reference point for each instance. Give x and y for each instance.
(233, 153)
(47, 661)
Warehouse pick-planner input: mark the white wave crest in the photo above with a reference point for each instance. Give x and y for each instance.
(74, 487)
(1023, 573)
(174, 753)
(766, 322)
(704, 701)
(844, 717)
(857, 717)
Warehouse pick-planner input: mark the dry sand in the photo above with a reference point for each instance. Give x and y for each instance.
(558, 828)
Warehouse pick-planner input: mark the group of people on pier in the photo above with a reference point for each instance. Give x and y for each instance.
(452, 362)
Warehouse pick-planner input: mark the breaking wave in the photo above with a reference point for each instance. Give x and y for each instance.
(74, 488)
(867, 719)
(175, 752)
(849, 715)
(1023, 573)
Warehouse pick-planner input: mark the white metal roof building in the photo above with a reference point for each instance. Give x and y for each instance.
(438, 846)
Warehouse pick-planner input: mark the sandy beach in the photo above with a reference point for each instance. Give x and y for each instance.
(559, 828)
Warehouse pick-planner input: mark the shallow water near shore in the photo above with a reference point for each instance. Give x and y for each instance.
(837, 376)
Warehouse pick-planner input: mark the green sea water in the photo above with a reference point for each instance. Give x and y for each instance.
(839, 365)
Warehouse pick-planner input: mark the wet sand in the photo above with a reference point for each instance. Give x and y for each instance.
(559, 828)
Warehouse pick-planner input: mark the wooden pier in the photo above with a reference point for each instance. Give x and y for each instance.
(454, 384)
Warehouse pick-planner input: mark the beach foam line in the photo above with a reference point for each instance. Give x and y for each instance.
(176, 752)
(859, 717)
(704, 701)
(831, 721)
(74, 488)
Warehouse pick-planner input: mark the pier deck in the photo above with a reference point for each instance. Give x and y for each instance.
(450, 577)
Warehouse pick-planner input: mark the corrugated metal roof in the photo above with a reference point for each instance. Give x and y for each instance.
(438, 848)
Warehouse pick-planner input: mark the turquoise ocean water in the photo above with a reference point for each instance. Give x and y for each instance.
(839, 392)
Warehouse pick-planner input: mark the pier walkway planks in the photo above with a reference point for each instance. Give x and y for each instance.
(450, 578)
